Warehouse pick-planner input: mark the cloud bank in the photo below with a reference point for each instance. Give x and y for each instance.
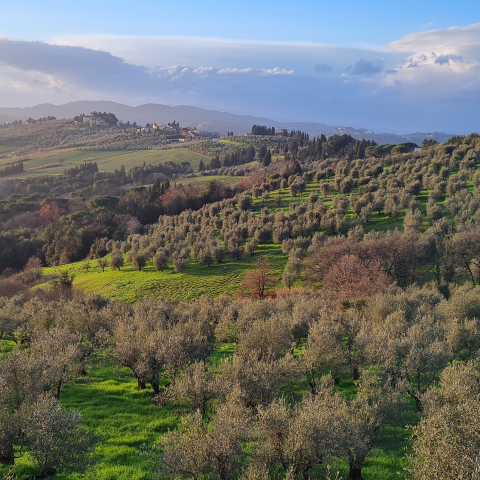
(423, 81)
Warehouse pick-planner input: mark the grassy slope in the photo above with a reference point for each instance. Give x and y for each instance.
(227, 180)
(130, 284)
(232, 142)
(6, 344)
(108, 161)
(377, 221)
(6, 149)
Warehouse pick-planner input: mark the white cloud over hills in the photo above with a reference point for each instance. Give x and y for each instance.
(426, 80)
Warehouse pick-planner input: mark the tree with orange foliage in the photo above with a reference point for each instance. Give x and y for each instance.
(259, 282)
(50, 213)
(350, 278)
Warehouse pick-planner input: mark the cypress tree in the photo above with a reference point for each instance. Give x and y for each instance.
(268, 158)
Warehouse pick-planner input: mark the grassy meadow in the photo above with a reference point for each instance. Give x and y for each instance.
(225, 179)
(130, 284)
(108, 161)
(232, 142)
(6, 149)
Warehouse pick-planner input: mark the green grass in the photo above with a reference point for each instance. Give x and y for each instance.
(225, 179)
(130, 284)
(231, 142)
(125, 419)
(108, 161)
(6, 149)
(6, 344)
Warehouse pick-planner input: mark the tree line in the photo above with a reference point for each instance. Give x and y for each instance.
(11, 169)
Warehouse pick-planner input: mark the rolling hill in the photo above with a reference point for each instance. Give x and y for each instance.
(206, 120)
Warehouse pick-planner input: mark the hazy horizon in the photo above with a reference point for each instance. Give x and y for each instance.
(382, 67)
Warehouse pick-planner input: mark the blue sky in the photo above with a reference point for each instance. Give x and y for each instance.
(347, 23)
(394, 66)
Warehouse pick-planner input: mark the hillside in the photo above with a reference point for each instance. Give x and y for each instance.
(107, 161)
(206, 120)
(130, 285)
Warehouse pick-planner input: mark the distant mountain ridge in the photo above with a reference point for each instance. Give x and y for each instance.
(206, 120)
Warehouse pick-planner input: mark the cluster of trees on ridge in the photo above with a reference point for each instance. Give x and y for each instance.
(11, 169)
(110, 118)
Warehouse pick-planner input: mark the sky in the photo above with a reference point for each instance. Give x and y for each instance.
(387, 66)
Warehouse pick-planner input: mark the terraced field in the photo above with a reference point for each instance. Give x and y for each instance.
(108, 161)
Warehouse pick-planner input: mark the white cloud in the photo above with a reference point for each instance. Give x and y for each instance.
(445, 64)
(261, 71)
(226, 53)
(449, 40)
(425, 80)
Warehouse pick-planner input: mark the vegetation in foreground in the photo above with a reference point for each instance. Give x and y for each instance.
(278, 388)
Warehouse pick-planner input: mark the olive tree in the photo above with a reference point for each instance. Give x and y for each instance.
(160, 260)
(56, 441)
(196, 450)
(116, 261)
(301, 438)
(446, 442)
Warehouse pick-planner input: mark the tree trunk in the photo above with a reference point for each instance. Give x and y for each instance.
(83, 362)
(7, 457)
(59, 390)
(140, 384)
(355, 468)
(418, 403)
(156, 387)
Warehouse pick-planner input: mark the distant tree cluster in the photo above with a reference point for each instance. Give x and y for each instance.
(382, 150)
(262, 130)
(12, 169)
(14, 123)
(90, 167)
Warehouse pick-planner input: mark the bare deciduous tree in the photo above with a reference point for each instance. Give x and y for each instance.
(258, 283)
